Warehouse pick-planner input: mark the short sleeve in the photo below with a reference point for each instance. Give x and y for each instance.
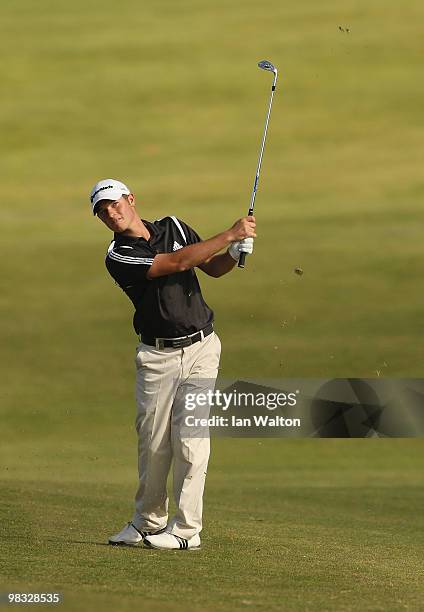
(128, 265)
(192, 237)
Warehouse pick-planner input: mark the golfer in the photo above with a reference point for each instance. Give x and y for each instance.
(178, 353)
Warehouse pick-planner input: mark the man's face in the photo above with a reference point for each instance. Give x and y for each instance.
(117, 215)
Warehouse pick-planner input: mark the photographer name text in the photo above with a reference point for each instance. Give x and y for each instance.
(233, 421)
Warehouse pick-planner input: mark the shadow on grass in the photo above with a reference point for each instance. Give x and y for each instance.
(95, 543)
(111, 546)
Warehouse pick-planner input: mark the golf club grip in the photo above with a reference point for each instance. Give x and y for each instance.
(241, 260)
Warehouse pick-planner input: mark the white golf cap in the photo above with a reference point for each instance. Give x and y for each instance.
(107, 189)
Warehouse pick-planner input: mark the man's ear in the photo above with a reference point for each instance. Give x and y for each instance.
(131, 199)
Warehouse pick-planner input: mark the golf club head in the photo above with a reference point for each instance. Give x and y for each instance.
(265, 65)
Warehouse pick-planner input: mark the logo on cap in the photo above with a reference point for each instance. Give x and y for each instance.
(99, 190)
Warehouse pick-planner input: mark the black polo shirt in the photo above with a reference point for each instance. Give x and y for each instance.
(168, 306)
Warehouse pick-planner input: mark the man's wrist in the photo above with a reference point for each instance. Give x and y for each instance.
(228, 237)
(233, 251)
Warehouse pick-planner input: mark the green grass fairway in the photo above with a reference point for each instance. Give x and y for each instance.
(290, 525)
(166, 96)
(170, 100)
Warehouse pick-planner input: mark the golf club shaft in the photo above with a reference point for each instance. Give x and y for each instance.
(255, 184)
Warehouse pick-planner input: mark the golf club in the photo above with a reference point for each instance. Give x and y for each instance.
(264, 65)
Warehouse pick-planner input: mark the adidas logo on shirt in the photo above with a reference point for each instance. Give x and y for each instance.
(176, 246)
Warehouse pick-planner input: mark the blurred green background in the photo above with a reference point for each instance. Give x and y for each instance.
(166, 96)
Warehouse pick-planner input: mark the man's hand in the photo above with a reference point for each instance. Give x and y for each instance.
(243, 228)
(242, 246)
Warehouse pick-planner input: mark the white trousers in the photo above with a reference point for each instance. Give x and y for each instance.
(164, 377)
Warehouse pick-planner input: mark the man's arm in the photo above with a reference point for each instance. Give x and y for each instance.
(199, 253)
(218, 265)
(221, 264)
